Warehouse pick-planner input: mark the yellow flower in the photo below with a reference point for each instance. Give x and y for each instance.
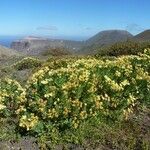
(66, 111)
(44, 82)
(75, 125)
(28, 123)
(21, 109)
(125, 82)
(117, 73)
(83, 114)
(2, 106)
(52, 94)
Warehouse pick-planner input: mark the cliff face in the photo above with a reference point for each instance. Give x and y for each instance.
(34, 46)
(20, 45)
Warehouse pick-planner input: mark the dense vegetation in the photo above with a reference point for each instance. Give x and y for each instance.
(27, 63)
(124, 48)
(59, 51)
(67, 100)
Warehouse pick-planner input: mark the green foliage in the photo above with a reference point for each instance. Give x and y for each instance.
(12, 97)
(68, 100)
(73, 92)
(7, 129)
(56, 52)
(27, 63)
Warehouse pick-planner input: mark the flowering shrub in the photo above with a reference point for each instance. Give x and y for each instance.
(78, 90)
(12, 97)
(27, 63)
(66, 92)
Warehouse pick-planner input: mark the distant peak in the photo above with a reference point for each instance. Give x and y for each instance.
(145, 31)
(115, 30)
(145, 35)
(34, 38)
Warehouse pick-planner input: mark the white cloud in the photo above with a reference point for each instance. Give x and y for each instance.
(47, 28)
(134, 28)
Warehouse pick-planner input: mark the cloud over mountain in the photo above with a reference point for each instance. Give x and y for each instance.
(47, 28)
(134, 28)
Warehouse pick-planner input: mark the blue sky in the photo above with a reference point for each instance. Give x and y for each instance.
(72, 18)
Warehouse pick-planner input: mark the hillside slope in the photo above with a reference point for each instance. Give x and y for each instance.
(104, 38)
(143, 36)
(6, 52)
(109, 37)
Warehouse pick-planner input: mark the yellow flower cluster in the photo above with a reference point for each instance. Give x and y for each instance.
(114, 86)
(52, 113)
(87, 87)
(69, 91)
(75, 122)
(66, 111)
(12, 93)
(28, 122)
(2, 106)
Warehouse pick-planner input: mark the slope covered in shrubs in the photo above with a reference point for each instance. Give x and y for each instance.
(124, 48)
(27, 63)
(56, 52)
(64, 96)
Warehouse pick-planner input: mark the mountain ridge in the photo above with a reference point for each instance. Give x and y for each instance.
(35, 45)
(103, 35)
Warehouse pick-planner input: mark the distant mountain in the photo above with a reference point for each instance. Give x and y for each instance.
(105, 38)
(109, 37)
(37, 45)
(28, 38)
(6, 52)
(143, 36)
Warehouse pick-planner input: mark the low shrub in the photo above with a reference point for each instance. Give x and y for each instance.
(59, 51)
(63, 98)
(27, 63)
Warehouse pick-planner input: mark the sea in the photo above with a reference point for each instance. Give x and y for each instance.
(7, 40)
